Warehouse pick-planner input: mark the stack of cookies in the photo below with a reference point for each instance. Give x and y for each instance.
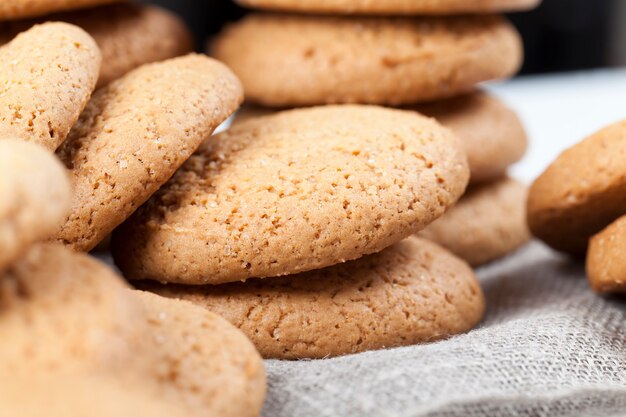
(128, 35)
(423, 56)
(73, 165)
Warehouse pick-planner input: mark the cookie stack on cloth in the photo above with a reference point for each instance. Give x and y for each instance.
(421, 55)
(127, 34)
(73, 165)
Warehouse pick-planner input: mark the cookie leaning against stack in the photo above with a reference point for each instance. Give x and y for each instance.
(430, 50)
(134, 134)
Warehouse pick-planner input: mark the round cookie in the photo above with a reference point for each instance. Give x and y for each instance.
(19, 9)
(393, 7)
(606, 265)
(35, 198)
(295, 191)
(487, 223)
(47, 75)
(71, 319)
(412, 292)
(492, 134)
(128, 35)
(134, 134)
(396, 61)
(581, 192)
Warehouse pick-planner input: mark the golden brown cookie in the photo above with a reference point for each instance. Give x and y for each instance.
(412, 292)
(47, 75)
(19, 9)
(134, 134)
(606, 263)
(71, 319)
(491, 133)
(487, 223)
(128, 35)
(295, 191)
(393, 7)
(582, 192)
(295, 60)
(35, 197)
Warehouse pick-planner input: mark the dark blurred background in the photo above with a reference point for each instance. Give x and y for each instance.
(561, 35)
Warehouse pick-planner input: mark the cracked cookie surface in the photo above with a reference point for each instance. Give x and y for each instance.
(295, 191)
(295, 60)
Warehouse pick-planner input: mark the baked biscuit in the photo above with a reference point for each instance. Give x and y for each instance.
(606, 265)
(491, 133)
(71, 319)
(47, 75)
(412, 292)
(487, 223)
(296, 60)
(295, 191)
(35, 198)
(582, 192)
(393, 7)
(134, 134)
(19, 9)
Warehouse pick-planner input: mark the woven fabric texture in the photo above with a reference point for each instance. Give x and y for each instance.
(548, 347)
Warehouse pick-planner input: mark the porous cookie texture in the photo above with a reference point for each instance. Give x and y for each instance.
(606, 264)
(487, 223)
(412, 292)
(72, 321)
(134, 134)
(35, 198)
(393, 7)
(581, 192)
(492, 134)
(18, 9)
(128, 35)
(296, 60)
(47, 75)
(294, 191)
